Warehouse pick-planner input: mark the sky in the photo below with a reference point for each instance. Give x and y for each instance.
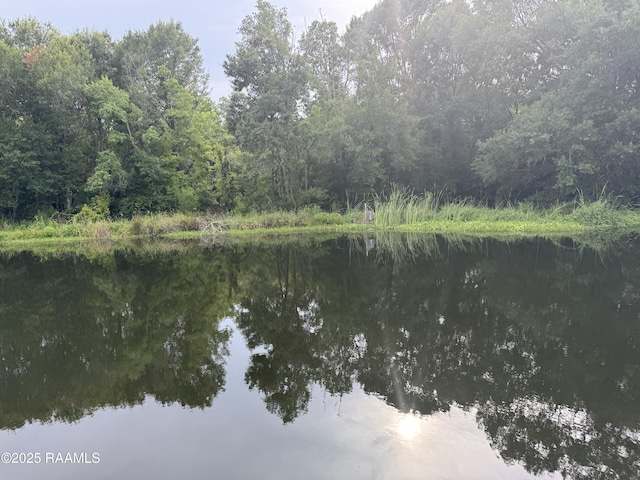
(215, 23)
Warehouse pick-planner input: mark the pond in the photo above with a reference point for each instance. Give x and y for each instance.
(391, 357)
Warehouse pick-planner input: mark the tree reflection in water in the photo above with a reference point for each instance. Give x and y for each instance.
(539, 340)
(78, 335)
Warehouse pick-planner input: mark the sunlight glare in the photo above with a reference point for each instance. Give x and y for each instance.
(409, 426)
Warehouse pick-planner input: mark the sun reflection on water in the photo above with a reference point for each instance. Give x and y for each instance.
(408, 426)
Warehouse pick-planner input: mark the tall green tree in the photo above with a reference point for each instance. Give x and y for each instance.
(58, 76)
(324, 55)
(17, 159)
(145, 59)
(49, 158)
(27, 33)
(115, 118)
(269, 88)
(578, 136)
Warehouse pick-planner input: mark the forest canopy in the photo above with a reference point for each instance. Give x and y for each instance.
(496, 100)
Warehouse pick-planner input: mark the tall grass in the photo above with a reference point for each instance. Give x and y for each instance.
(601, 213)
(403, 207)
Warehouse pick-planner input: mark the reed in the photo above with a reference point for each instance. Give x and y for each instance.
(400, 210)
(402, 207)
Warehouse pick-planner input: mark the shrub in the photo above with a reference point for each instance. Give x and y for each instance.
(324, 218)
(98, 210)
(598, 214)
(136, 226)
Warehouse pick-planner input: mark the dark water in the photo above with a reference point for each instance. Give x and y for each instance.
(418, 358)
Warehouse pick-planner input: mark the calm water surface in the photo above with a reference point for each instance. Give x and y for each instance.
(387, 358)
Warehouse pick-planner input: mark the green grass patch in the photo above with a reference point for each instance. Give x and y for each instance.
(400, 211)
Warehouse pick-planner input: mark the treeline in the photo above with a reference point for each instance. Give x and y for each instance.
(493, 99)
(499, 100)
(122, 126)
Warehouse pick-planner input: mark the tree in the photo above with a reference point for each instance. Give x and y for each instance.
(160, 143)
(48, 156)
(101, 49)
(17, 160)
(325, 56)
(57, 74)
(146, 59)
(577, 136)
(202, 178)
(269, 85)
(26, 33)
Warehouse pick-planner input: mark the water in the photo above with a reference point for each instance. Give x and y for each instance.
(390, 358)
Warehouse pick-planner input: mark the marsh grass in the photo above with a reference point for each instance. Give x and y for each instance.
(402, 207)
(602, 214)
(280, 219)
(140, 225)
(400, 210)
(162, 224)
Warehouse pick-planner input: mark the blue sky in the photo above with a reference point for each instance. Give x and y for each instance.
(214, 23)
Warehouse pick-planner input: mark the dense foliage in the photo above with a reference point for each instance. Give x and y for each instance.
(121, 126)
(496, 99)
(493, 99)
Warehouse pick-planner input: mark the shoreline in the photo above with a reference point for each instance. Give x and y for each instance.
(486, 224)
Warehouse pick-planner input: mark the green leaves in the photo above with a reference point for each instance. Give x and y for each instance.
(484, 99)
(109, 102)
(325, 56)
(576, 134)
(108, 176)
(82, 116)
(264, 111)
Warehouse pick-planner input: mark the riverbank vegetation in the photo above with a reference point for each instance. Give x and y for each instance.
(524, 113)
(400, 211)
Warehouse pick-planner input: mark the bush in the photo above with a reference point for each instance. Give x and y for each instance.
(598, 214)
(98, 210)
(324, 218)
(314, 197)
(136, 226)
(86, 215)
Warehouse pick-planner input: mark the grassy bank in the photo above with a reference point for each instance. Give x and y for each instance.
(399, 212)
